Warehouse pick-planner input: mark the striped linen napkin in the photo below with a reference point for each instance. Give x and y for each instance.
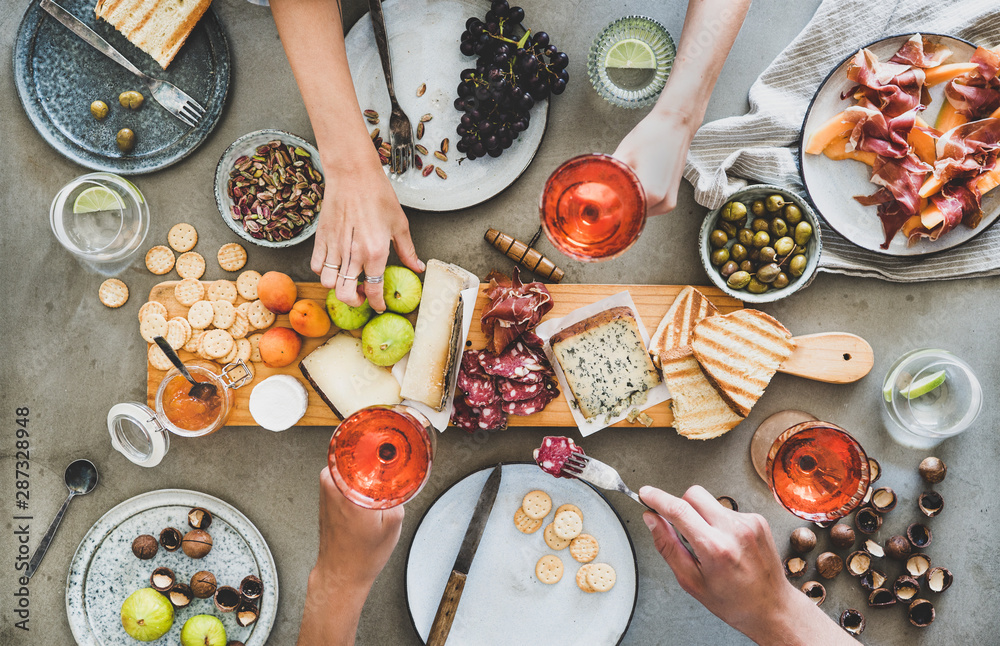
(762, 145)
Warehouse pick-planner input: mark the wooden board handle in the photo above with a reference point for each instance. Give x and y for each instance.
(832, 357)
(447, 609)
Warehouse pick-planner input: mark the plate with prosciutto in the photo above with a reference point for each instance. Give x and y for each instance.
(900, 144)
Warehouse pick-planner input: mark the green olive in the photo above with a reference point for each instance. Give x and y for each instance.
(720, 257)
(797, 265)
(760, 224)
(754, 255)
(738, 252)
(784, 246)
(793, 215)
(739, 280)
(779, 228)
(99, 109)
(803, 231)
(799, 249)
(733, 211)
(729, 269)
(774, 203)
(746, 266)
(729, 228)
(130, 99)
(768, 273)
(767, 254)
(781, 281)
(125, 140)
(745, 237)
(756, 287)
(757, 208)
(718, 239)
(761, 239)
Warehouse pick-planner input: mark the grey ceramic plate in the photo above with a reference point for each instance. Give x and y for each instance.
(58, 75)
(832, 185)
(424, 36)
(104, 572)
(502, 592)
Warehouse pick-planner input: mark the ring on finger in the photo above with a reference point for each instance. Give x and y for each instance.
(345, 277)
(331, 266)
(374, 280)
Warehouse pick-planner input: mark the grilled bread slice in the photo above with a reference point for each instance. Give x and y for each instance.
(157, 27)
(673, 335)
(739, 353)
(699, 412)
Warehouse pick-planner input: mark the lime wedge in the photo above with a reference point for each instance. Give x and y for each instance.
(135, 188)
(97, 198)
(924, 385)
(631, 53)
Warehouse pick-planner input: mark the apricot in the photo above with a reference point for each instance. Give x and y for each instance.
(277, 292)
(279, 346)
(308, 318)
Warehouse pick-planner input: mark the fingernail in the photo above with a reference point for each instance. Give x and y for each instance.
(644, 489)
(649, 520)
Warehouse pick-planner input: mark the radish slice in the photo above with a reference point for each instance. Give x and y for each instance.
(278, 402)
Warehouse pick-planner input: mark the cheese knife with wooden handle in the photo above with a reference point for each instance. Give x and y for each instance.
(456, 581)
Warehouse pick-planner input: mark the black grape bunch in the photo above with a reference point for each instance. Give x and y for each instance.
(513, 71)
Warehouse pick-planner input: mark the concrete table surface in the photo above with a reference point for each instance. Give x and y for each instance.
(69, 359)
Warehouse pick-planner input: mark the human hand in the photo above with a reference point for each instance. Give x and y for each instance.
(359, 219)
(656, 149)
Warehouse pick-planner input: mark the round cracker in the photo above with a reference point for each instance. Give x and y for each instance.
(581, 579)
(570, 507)
(549, 569)
(232, 256)
(243, 349)
(245, 309)
(537, 504)
(246, 284)
(225, 314)
(601, 577)
(177, 333)
(254, 340)
(260, 317)
(231, 357)
(194, 341)
(222, 290)
(201, 314)
(525, 523)
(554, 541)
(584, 548)
(191, 265)
(188, 291)
(567, 524)
(182, 237)
(152, 306)
(157, 358)
(240, 327)
(152, 326)
(159, 260)
(217, 343)
(113, 293)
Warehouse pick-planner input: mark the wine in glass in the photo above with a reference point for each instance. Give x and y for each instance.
(381, 456)
(593, 207)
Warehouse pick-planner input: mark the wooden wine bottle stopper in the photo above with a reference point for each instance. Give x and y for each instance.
(524, 255)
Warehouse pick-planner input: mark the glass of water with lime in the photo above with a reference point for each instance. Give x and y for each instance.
(630, 60)
(102, 219)
(928, 396)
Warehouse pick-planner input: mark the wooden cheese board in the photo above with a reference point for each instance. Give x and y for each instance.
(651, 301)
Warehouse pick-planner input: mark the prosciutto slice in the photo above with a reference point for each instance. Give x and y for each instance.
(898, 198)
(958, 203)
(514, 308)
(977, 95)
(874, 132)
(921, 52)
(890, 87)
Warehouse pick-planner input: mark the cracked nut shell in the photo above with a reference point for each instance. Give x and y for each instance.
(180, 595)
(906, 588)
(921, 613)
(867, 521)
(728, 503)
(931, 503)
(802, 540)
(918, 565)
(852, 621)
(170, 539)
(162, 579)
(873, 579)
(933, 470)
(858, 563)
(795, 566)
(829, 565)
(919, 535)
(247, 613)
(883, 500)
(881, 598)
(227, 598)
(874, 470)
(197, 543)
(815, 591)
(203, 584)
(842, 535)
(199, 518)
(145, 547)
(251, 587)
(874, 549)
(897, 547)
(939, 579)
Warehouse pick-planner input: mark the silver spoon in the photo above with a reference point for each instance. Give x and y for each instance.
(81, 478)
(200, 389)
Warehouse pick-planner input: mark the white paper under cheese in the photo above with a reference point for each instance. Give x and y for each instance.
(339, 370)
(278, 402)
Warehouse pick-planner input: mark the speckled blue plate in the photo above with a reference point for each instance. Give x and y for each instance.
(104, 572)
(58, 75)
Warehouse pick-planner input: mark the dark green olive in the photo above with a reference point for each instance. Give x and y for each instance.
(803, 231)
(99, 109)
(774, 203)
(781, 281)
(738, 252)
(779, 228)
(720, 257)
(729, 269)
(729, 228)
(797, 265)
(756, 287)
(757, 208)
(130, 99)
(125, 140)
(746, 266)
(768, 273)
(793, 215)
(745, 237)
(761, 239)
(718, 238)
(784, 246)
(739, 280)
(767, 254)
(760, 224)
(733, 211)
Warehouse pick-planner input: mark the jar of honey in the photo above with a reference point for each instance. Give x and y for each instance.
(142, 434)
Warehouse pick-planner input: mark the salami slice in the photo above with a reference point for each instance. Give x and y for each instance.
(464, 416)
(471, 365)
(533, 405)
(507, 365)
(483, 393)
(553, 453)
(514, 391)
(491, 418)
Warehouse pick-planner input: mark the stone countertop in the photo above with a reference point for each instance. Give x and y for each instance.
(69, 359)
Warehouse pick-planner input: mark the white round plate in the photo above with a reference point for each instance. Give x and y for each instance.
(832, 185)
(104, 572)
(424, 36)
(502, 593)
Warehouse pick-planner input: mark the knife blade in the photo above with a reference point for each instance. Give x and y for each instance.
(459, 572)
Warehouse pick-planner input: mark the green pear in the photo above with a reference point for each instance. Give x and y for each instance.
(401, 289)
(386, 339)
(345, 316)
(203, 630)
(147, 615)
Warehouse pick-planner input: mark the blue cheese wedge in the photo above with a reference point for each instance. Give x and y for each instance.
(605, 362)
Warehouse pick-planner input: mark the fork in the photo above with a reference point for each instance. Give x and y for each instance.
(166, 94)
(605, 476)
(400, 131)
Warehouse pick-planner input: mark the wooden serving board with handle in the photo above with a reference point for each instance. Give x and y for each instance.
(835, 358)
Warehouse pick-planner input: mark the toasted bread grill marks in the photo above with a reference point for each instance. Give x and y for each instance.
(673, 335)
(157, 27)
(700, 413)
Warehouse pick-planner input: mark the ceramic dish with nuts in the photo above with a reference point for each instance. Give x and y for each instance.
(269, 188)
(762, 245)
(117, 558)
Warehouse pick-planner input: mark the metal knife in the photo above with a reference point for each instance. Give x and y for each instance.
(456, 581)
